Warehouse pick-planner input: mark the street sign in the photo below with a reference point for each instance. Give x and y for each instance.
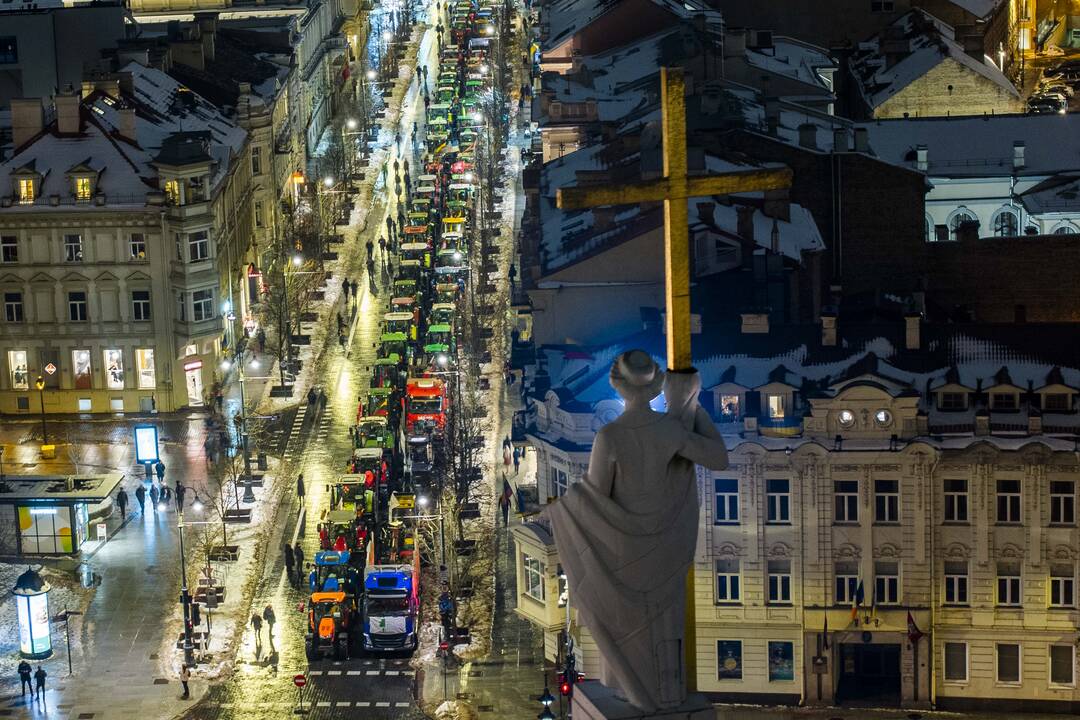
(50, 368)
(299, 681)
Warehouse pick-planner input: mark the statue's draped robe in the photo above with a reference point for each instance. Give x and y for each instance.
(626, 538)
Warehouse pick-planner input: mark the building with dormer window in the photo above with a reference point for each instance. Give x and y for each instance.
(906, 538)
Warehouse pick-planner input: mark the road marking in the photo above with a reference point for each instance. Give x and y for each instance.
(344, 703)
(382, 704)
(391, 672)
(324, 703)
(402, 704)
(363, 703)
(372, 672)
(408, 672)
(314, 672)
(355, 672)
(333, 672)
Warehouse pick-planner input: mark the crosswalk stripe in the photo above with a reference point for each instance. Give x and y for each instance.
(356, 672)
(402, 704)
(344, 703)
(382, 704)
(324, 703)
(333, 672)
(314, 672)
(391, 672)
(363, 703)
(372, 672)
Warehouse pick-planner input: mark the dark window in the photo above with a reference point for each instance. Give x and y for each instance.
(1008, 501)
(140, 304)
(956, 501)
(77, 306)
(1056, 402)
(9, 249)
(952, 401)
(778, 500)
(13, 307)
(9, 50)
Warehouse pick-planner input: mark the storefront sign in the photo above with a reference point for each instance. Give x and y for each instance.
(146, 444)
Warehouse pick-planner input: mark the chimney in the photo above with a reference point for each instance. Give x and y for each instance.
(778, 204)
(840, 140)
(828, 328)
(1035, 422)
(27, 120)
(744, 228)
(706, 209)
(922, 161)
(772, 114)
(126, 124)
(862, 140)
(808, 136)
(755, 323)
(1018, 155)
(735, 43)
(67, 111)
(912, 331)
(982, 422)
(208, 33)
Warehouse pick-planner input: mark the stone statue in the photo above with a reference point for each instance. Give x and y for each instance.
(626, 535)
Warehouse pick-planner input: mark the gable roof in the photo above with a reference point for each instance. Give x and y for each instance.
(565, 18)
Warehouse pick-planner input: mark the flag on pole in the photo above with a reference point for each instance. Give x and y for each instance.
(507, 493)
(826, 631)
(913, 631)
(857, 600)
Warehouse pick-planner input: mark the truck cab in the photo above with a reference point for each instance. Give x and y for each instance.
(425, 406)
(391, 608)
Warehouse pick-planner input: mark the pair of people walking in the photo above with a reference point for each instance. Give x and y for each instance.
(37, 690)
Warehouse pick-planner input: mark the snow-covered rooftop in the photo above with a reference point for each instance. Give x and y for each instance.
(567, 17)
(979, 8)
(907, 50)
(793, 58)
(1059, 194)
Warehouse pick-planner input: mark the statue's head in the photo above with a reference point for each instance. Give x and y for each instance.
(636, 377)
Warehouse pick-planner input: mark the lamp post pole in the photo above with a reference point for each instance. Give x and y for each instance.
(185, 598)
(41, 397)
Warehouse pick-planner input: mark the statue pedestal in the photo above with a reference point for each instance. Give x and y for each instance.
(593, 701)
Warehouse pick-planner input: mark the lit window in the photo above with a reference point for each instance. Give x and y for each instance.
(114, 369)
(727, 581)
(82, 189)
(73, 248)
(534, 577)
(144, 368)
(17, 371)
(172, 192)
(26, 191)
(775, 404)
(883, 418)
(846, 418)
(729, 408)
(137, 246)
(80, 363)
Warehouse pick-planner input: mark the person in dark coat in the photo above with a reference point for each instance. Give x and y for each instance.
(298, 556)
(39, 679)
(159, 468)
(24, 677)
(300, 488)
(140, 496)
(289, 558)
(154, 495)
(181, 490)
(256, 625)
(269, 618)
(121, 501)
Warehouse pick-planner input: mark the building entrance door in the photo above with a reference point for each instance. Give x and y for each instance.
(869, 674)
(193, 380)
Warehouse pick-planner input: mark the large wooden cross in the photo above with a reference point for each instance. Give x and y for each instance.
(674, 188)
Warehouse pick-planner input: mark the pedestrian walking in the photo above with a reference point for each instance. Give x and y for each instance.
(140, 496)
(24, 677)
(155, 494)
(256, 625)
(322, 398)
(181, 490)
(382, 246)
(289, 558)
(159, 468)
(370, 248)
(512, 273)
(311, 396)
(341, 340)
(300, 488)
(39, 680)
(185, 676)
(517, 460)
(269, 618)
(340, 320)
(371, 270)
(122, 501)
(166, 496)
(298, 556)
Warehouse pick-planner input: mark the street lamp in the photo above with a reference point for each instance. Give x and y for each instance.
(40, 384)
(185, 596)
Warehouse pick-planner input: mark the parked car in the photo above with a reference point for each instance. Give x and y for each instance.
(1046, 105)
(1061, 67)
(1056, 86)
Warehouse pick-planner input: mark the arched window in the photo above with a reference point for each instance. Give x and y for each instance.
(1006, 223)
(1066, 228)
(959, 218)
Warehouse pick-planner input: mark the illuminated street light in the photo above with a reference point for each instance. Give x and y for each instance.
(477, 116)
(328, 181)
(442, 360)
(197, 506)
(225, 365)
(489, 30)
(371, 74)
(483, 69)
(422, 501)
(457, 254)
(387, 35)
(468, 177)
(297, 260)
(351, 123)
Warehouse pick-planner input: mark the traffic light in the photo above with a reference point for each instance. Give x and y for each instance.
(565, 688)
(195, 616)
